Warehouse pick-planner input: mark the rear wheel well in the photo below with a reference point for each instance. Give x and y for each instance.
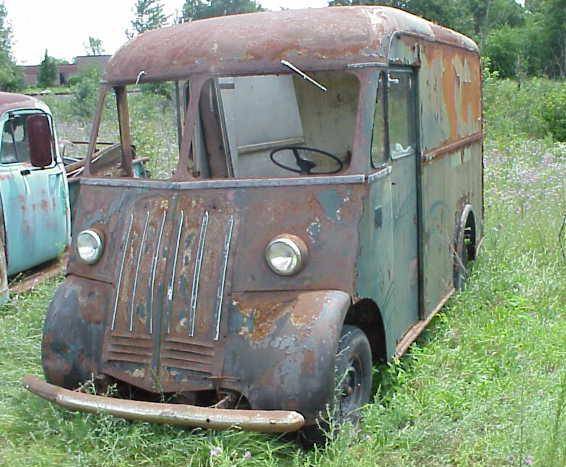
(365, 314)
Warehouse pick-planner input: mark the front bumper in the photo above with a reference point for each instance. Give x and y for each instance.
(272, 421)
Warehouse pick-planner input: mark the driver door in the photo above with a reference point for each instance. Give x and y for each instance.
(34, 200)
(401, 126)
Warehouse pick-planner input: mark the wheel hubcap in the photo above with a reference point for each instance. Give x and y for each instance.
(351, 387)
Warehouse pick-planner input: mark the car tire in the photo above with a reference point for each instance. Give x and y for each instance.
(353, 384)
(463, 260)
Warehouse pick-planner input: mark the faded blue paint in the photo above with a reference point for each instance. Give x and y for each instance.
(376, 266)
(332, 202)
(35, 207)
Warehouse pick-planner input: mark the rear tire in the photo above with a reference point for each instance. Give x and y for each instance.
(353, 384)
(464, 247)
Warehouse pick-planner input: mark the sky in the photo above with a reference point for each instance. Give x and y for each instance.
(63, 26)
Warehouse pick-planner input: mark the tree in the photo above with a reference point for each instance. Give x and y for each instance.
(199, 9)
(10, 77)
(149, 14)
(488, 15)
(505, 49)
(47, 71)
(94, 46)
(546, 24)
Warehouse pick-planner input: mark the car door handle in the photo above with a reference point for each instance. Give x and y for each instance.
(25, 172)
(378, 216)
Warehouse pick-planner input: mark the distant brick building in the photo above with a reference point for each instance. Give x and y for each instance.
(65, 71)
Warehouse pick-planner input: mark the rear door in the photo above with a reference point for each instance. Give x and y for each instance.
(34, 200)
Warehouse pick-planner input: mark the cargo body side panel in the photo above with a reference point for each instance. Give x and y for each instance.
(451, 139)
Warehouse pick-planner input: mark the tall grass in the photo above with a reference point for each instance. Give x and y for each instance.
(484, 385)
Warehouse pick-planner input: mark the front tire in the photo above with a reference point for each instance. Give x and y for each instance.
(353, 384)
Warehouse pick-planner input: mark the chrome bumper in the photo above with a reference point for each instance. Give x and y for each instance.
(273, 421)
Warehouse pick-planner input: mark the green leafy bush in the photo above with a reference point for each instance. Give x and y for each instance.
(553, 112)
(517, 108)
(85, 93)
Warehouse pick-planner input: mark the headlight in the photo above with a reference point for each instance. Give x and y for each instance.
(286, 254)
(89, 246)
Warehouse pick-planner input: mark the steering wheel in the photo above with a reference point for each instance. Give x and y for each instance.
(305, 166)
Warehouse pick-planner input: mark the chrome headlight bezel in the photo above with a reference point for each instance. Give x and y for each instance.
(297, 249)
(97, 246)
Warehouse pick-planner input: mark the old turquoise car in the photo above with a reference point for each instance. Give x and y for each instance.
(34, 197)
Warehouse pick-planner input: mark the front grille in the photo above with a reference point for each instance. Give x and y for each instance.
(129, 349)
(170, 289)
(186, 354)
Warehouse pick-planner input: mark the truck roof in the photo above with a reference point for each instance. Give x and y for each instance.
(12, 101)
(315, 38)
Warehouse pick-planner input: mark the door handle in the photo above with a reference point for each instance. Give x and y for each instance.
(26, 184)
(378, 217)
(25, 172)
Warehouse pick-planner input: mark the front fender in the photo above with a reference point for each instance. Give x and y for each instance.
(281, 348)
(73, 331)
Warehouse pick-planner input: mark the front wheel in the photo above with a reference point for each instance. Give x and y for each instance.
(352, 383)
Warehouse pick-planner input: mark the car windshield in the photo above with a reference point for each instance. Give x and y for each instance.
(276, 125)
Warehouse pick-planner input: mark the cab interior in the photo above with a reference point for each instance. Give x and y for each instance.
(248, 125)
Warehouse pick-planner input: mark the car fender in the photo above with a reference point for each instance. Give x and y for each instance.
(73, 331)
(281, 348)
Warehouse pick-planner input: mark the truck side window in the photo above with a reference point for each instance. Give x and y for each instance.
(14, 141)
(378, 134)
(400, 114)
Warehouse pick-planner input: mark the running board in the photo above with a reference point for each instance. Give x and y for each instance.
(418, 327)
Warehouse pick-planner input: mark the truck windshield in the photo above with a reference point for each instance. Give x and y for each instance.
(246, 127)
(15, 145)
(276, 125)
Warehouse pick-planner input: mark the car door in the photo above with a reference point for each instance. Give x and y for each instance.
(34, 200)
(402, 149)
(376, 259)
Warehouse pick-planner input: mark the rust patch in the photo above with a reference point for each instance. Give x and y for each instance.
(449, 88)
(264, 315)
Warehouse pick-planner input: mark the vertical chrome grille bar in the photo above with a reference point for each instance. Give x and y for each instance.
(137, 272)
(153, 269)
(196, 275)
(220, 292)
(118, 285)
(171, 288)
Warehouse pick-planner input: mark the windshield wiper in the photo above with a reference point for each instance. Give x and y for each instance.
(303, 75)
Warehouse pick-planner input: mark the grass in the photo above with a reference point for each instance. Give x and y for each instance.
(484, 385)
